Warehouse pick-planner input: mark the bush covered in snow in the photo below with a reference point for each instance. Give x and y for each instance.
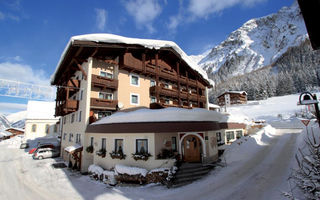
(307, 176)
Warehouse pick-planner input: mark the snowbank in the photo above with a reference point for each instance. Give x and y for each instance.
(14, 142)
(162, 115)
(122, 169)
(95, 169)
(246, 146)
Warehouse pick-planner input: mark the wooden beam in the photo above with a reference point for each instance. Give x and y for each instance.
(94, 52)
(81, 69)
(157, 77)
(144, 62)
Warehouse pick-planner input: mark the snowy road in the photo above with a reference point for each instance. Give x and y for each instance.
(260, 175)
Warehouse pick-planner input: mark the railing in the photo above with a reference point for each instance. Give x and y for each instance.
(103, 103)
(100, 81)
(67, 107)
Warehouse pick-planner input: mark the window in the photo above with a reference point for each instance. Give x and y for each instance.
(102, 114)
(47, 128)
(106, 74)
(230, 135)
(239, 134)
(70, 137)
(174, 144)
(78, 138)
(167, 101)
(64, 136)
(91, 141)
(166, 85)
(118, 147)
(152, 83)
(153, 99)
(141, 146)
(104, 95)
(34, 128)
(218, 137)
(134, 80)
(103, 143)
(72, 118)
(134, 99)
(81, 94)
(80, 113)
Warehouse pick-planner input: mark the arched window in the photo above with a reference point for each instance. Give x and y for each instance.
(47, 128)
(34, 127)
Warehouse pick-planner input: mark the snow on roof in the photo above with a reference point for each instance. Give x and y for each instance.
(162, 115)
(4, 133)
(211, 105)
(235, 118)
(72, 148)
(233, 92)
(41, 110)
(147, 43)
(122, 169)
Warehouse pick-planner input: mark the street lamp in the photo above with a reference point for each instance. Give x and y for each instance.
(306, 98)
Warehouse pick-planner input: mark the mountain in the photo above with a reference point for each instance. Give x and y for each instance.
(16, 120)
(4, 123)
(256, 44)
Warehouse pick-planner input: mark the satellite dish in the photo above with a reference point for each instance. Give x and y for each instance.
(120, 105)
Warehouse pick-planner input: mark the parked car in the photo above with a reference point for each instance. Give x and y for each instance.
(41, 146)
(45, 153)
(24, 145)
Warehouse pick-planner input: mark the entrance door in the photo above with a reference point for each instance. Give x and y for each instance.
(192, 147)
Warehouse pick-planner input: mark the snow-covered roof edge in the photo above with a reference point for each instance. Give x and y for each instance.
(147, 43)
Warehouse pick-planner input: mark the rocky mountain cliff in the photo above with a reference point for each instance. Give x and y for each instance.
(256, 44)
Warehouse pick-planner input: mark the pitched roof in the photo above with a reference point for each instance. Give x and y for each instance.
(116, 39)
(41, 110)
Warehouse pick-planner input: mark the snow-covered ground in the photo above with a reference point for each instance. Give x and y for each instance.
(257, 167)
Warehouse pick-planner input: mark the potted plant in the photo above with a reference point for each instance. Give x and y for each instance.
(118, 155)
(102, 153)
(141, 156)
(89, 149)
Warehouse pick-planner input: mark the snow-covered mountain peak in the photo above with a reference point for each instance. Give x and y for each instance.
(257, 43)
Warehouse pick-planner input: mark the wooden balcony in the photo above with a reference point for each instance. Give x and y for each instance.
(103, 82)
(67, 107)
(103, 104)
(164, 91)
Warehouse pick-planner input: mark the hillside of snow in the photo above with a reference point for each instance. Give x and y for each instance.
(257, 43)
(16, 120)
(278, 111)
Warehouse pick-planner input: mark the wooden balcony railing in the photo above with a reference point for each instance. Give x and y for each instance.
(164, 91)
(103, 82)
(67, 107)
(103, 103)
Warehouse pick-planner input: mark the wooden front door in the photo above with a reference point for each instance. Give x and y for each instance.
(192, 145)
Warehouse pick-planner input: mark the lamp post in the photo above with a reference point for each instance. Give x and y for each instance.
(306, 98)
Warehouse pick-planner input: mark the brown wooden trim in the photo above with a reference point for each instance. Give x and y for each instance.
(153, 127)
(232, 126)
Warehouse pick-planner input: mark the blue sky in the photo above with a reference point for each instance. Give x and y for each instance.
(35, 32)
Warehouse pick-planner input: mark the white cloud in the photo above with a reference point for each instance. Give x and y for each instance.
(23, 73)
(144, 12)
(7, 108)
(203, 8)
(176, 20)
(101, 18)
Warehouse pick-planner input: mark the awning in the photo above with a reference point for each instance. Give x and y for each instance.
(73, 148)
